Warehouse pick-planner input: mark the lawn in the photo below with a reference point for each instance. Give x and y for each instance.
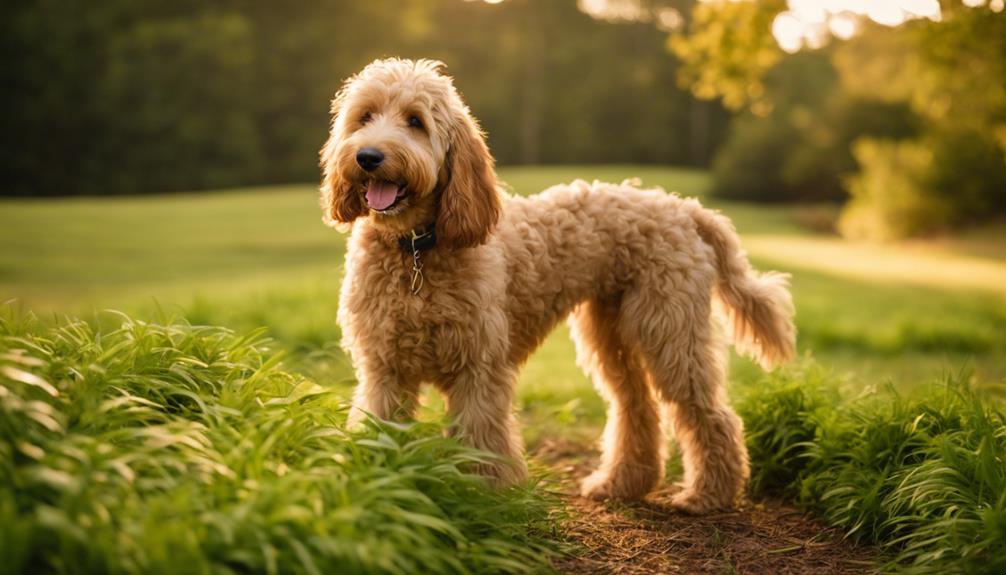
(868, 316)
(260, 256)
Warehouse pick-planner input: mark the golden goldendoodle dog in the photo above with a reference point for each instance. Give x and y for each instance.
(451, 281)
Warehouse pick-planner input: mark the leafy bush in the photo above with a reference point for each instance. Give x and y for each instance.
(158, 448)
(923, 477)
(892, 196)
(749, 166)
(782, 156)
(910, 188)
(969, 169)
(802, 151)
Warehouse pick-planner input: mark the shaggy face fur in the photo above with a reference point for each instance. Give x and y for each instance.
(637, 273)
(434, 155)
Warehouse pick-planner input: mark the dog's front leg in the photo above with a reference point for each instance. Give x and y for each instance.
(383, 393)
(479, 401)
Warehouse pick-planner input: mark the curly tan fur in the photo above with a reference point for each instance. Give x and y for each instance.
(636, 271)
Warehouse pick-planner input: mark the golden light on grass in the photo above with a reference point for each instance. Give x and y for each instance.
(914, 265)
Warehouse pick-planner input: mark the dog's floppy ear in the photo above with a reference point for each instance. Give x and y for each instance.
(469, 203)
(340, 203)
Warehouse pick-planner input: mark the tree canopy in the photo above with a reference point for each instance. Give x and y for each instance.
(905, 115)
(131, 96)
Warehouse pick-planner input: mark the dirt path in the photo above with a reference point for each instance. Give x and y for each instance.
(649, 537)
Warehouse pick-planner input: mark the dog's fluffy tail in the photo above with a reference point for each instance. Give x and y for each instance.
(758, 306)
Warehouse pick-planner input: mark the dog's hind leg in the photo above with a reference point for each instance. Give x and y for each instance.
(685, 358)
(632, 459)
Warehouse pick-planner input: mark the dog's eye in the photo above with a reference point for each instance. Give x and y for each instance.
(415, 122)
(365, 118)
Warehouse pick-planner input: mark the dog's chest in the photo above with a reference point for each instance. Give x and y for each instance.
(427, 335)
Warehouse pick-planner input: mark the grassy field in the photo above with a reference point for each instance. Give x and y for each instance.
(261, 257)
(245, 258)
(869, 317)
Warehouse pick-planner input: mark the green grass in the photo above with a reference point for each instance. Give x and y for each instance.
(73, 253)
(871, 317)
(879, 333)
(923, 476)
(152, 448)
(261, 257)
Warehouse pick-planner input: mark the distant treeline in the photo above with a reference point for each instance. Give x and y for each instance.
(137, 96)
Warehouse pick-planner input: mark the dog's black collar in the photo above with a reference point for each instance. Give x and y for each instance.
(419, 240)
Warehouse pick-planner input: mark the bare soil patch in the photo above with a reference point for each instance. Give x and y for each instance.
(765, 536)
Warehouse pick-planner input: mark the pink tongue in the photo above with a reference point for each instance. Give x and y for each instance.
(380, 195)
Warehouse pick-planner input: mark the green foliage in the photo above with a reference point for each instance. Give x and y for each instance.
(960, 81)
(143, 447)
(727, 51)
(195, 80)
(779, 424)
(969, 170)
(800, 150)
(922, 476)
(912, 188)
(940, 83)
(750, 164)
(141, 96)
(891, 197)
(952, 76)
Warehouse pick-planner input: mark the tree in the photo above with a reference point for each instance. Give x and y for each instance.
(940, 82)
(128, 96)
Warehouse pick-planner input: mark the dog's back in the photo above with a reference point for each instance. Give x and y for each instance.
(583, 241)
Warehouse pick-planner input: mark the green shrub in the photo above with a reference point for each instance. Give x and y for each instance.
(801, 150)
(779, 430)
(923, 477)
(165, 448)
(892, 196)
(910, 188)
(750, 164)
(970, 170)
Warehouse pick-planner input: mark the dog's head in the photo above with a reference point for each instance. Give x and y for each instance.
(405, 151)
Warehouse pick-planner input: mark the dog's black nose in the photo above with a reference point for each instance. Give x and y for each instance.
(369, 158)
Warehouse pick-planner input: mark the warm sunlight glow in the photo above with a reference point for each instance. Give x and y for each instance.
(843, 26)
(665, 18)
(882, 263)
(808, 23)
(613, 9)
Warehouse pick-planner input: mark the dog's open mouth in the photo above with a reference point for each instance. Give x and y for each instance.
(382, 195)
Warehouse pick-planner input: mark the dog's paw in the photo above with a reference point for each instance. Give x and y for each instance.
(693, 502)
(602, 485)
(596, 486)
(502, 474)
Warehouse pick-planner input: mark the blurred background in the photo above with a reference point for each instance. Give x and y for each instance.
(895, 108)
(858, 144)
